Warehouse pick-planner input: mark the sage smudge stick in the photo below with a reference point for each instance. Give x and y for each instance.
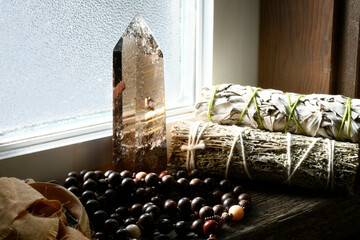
(247, 153)
(316, 115)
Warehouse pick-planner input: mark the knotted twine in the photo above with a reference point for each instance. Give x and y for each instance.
(194, 143)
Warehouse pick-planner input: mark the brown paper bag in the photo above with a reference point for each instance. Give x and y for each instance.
(34, 211)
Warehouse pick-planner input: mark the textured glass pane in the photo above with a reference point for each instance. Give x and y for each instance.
(56, 56)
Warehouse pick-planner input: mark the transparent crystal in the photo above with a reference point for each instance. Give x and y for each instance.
(139, 138)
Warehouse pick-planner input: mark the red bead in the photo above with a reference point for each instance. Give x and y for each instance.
(211, 227)
(164, 173)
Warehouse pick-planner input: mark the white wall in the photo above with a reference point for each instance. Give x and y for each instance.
(236, 41)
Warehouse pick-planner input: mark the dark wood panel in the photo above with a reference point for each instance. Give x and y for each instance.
(295, 49)
(281, 213)
(347, 81)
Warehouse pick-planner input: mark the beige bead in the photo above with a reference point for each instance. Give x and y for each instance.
(134, 231)
(140, 175)
(237, 212)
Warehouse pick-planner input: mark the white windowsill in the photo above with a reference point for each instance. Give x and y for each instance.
(75, 132)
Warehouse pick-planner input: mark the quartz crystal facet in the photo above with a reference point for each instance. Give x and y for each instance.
(139, 137)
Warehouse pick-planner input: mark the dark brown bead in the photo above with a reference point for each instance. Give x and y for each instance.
(111, 226)
(114, 179)
(146, 222)
(197, 227)
(183, 185)
(205, 212)
(151, 179)
(170, 207)
(218, 209)
(225, 185)
(226, 196)
(168, 182)
(99, 174)
(82, 173)
(244, 196)
(181, 174)
(107, 173)
(129, 221)
(229, 202)
(136, 210)
(165, 226)
(71, 181)
(74, 190)
(157, 201)
(196, 185)
(216, 196)
(140, 195)
(123, 212)
(245, 204)
(184, 205)
(154, 211)
(87, 195)
(197, 203)
(90, 185)
(182, 228)
(74, 174)
(146, 205)
(210, 183)
(237, 190)
(128, 185)
(195, 173)
(90, 175)
(126, 174)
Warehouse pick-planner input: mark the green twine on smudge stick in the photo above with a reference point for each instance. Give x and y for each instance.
(256, 108)
(292, 115)
(211, 103)
(248, 104)
(347, 116)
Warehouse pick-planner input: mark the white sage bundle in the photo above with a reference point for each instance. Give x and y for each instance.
(316, 115)
(238, 152)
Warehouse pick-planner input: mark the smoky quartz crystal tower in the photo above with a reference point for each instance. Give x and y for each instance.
(139, 134)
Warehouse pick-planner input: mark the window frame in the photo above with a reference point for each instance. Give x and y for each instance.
(67, 141)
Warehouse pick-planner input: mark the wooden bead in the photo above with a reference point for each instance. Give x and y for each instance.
(237, 212)
(140, 175)
(134, 230)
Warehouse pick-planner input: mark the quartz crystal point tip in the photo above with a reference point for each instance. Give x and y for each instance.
(139, 138)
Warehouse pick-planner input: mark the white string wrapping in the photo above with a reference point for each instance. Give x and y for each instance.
(331, 147)
(288, 152)
(306, 154)
(244, 157)
(194, 143)
(231, 154)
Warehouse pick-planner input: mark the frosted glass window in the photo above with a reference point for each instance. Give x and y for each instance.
(56, 56)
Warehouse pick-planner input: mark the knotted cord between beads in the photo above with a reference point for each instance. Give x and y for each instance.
(211, 103)
(330, 177)
(248, 104)
(292, 115)
(236, 138)
(194, 143)
(347, 116)
(306, 154)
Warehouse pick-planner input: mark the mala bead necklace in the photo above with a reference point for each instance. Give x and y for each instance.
(125, 205)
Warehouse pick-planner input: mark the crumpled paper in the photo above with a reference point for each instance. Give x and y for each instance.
(319, 115)
(27, 214)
